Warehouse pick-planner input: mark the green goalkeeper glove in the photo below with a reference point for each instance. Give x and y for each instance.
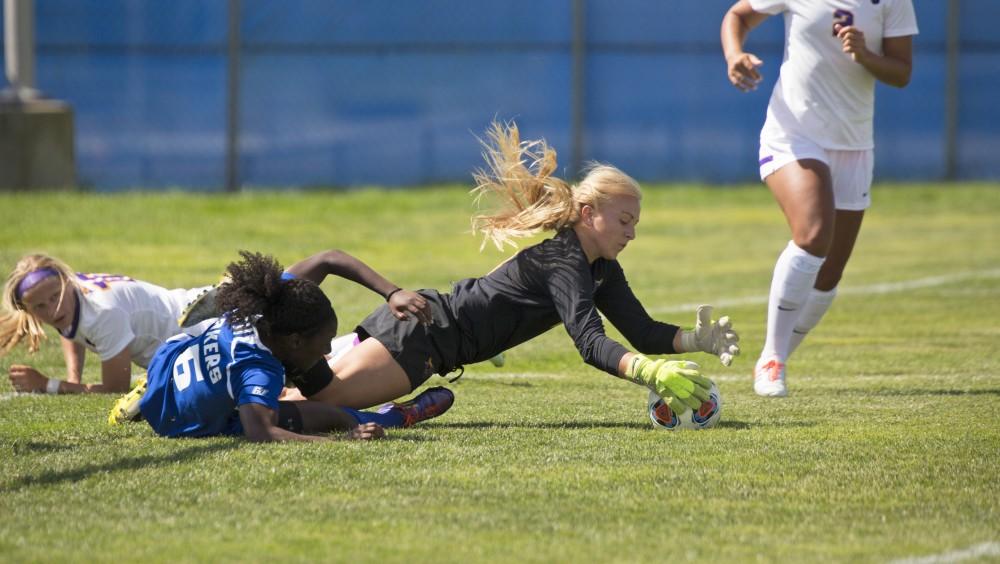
(714, 337)
(678, 382)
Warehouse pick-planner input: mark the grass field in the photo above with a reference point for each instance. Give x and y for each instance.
(888, 447)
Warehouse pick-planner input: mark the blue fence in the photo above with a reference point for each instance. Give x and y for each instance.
(394, 92)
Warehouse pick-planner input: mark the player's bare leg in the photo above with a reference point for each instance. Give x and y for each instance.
(848, 224)
(804, 191)
(366, 376)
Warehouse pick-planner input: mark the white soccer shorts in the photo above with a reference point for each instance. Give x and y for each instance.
(851, 171)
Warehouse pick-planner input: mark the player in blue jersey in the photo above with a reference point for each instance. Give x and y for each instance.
(227, 380)
(403, 305)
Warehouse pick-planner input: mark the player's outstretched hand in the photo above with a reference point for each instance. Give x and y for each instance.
(678, 382)
(26, 379)
(366, 432)
(742, 71)
(403, 303)
(714, 337)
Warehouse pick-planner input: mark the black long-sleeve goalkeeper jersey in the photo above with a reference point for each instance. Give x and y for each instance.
(546, 284)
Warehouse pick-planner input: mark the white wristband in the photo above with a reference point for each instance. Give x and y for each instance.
(53, 386)
(688, 341)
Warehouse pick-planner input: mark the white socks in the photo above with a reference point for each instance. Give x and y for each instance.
(794, 276)
(816, 306)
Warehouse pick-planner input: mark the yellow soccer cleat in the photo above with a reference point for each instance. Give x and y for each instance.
(127, 407)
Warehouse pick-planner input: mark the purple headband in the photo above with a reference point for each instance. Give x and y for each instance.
(32, 280)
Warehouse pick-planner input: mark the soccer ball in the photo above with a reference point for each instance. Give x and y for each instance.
(707, 416)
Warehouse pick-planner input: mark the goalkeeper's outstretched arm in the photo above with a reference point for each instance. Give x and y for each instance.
(710, 336)
(678, 382)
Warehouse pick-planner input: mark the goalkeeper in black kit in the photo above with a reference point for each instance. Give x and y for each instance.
(569, 279)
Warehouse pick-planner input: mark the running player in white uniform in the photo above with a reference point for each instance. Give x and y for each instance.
(816, 148)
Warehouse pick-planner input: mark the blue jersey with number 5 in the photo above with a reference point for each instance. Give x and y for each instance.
(196, 384)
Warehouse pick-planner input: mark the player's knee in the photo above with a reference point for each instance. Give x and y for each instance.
(815, 240)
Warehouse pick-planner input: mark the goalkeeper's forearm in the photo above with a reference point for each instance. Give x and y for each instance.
(638, 369)
(623, 368)
(623, 364)
(684, 341)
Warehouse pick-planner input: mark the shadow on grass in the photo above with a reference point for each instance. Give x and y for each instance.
(725, 424)
(117, 465)
(922, 392)
(26, 447)
(768, 423)
(409, 437)
(525, 425)
(733, 424)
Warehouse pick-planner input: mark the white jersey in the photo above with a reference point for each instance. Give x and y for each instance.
(114, 312)
(821, 93)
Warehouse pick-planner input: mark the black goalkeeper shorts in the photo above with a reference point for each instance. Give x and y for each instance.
(421, 350)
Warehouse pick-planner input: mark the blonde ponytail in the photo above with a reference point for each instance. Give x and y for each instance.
(15, 322)
(531, 200)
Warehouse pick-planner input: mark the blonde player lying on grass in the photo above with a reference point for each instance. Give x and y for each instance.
(124, 320)
(120, 319)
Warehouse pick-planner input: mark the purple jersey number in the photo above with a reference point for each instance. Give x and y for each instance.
(101, 280)
(843, 18)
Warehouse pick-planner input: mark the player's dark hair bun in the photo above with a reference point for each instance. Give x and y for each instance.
(257, 295)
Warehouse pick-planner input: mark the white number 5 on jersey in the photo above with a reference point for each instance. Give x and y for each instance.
(186, 365)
